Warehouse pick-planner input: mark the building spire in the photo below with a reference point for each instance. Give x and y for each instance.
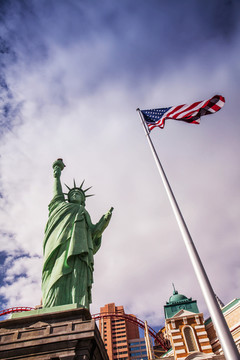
(220, 303)
(175, 292)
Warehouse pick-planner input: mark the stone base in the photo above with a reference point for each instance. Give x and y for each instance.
(62, 335)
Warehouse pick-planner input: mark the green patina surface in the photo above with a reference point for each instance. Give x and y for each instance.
(178, 302)
(44, 310)
(71, 240)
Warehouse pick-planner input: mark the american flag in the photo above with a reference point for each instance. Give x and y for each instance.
(188, 113)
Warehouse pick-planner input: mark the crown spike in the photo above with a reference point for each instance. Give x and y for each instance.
(67, 187)
(87, 189)
(89, 195)
(80, 187)
(74, 183)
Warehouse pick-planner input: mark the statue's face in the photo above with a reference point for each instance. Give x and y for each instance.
(76, 197)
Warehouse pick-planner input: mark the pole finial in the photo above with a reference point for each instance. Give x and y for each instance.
(174, 290)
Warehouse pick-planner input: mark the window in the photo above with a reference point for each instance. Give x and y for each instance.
(119, 347)
(120, 353)
(118, 329)
(190, 339)
(119, 341)
(119, 336)
(132, 348)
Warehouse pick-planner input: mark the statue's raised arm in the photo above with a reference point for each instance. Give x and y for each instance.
(58, 166)
(71, 240)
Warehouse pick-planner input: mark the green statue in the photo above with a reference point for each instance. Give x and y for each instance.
(70, 242)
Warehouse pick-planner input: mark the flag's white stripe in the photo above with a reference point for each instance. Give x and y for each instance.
(212, 110)
(192, 113)
(220, 103)
(158, 123)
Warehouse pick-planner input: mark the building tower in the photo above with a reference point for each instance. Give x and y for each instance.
(185, 328)
(116, 332)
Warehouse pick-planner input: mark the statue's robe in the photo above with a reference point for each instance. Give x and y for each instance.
(70, 242)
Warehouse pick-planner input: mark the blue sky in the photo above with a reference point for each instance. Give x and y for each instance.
(72, 75)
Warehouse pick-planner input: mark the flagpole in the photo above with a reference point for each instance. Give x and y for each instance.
(224, 334)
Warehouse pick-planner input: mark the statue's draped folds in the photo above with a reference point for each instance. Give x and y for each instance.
(70, 242)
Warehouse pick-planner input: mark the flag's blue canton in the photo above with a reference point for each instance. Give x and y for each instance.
(153, 115)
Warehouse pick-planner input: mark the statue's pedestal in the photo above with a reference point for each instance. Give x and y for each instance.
(59, 335)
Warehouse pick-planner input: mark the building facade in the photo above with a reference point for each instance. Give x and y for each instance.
(186, 329)
(137, 349)
(231, 313)
(116, 332)
(190, 335)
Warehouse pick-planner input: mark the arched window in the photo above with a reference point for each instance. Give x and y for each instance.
(190, 339)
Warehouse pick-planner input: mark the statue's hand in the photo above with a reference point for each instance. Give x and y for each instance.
(108, 214)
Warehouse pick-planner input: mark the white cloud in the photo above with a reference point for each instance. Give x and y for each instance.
(22, 281)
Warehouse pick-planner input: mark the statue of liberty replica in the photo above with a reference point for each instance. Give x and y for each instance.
(71, 240)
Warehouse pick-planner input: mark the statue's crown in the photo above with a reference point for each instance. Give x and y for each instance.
(80, 188)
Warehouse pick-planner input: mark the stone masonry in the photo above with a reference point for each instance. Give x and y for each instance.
(62, 335)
